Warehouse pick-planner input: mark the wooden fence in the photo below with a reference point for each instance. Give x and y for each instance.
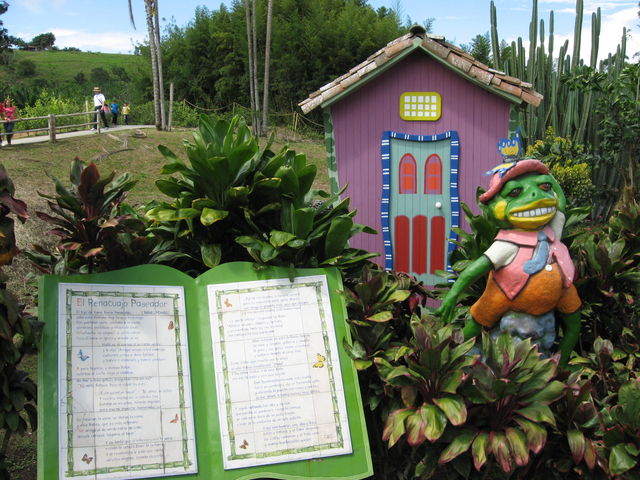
(52, 129)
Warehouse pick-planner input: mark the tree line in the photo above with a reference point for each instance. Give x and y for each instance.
(311, 43)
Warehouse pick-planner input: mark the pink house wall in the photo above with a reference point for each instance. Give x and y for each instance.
(480, 118)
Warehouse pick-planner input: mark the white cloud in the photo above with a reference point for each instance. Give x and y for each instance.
(610, 35)
(611, 32)
(108, 42)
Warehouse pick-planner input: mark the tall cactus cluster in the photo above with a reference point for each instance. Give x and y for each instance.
(566, 107)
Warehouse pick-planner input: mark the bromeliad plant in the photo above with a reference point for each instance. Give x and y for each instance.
(236, 201)
(96, 230)
(458, 410)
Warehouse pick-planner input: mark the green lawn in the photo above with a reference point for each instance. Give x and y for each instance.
(62, 66)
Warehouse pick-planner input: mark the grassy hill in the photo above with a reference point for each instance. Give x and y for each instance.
(127, 76)
(63, 66)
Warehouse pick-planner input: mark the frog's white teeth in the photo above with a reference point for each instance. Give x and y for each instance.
(535, 212)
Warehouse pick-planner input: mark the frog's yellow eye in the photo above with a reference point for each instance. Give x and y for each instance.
(515, 192)
(545, 186)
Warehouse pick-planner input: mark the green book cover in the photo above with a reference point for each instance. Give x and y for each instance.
(238, 374)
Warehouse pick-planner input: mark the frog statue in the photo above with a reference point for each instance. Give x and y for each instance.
(530, 271)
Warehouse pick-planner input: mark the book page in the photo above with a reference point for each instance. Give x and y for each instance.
(125, 407)
(279, 386)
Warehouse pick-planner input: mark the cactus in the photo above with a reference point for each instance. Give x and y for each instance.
(568, 110)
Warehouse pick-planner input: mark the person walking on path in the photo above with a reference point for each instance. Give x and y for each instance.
(114, 113)
(126, 109)
(8, 113)
(98, 104)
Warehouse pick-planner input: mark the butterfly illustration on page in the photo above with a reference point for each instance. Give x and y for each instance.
(175, 419)
(171, 325)
(227, 303)
(244, 445)
(320, 363)
(82, 356)
(87, 459)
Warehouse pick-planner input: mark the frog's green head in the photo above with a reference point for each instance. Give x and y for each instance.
(523, 195)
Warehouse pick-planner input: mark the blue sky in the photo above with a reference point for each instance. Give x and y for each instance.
(103, 25)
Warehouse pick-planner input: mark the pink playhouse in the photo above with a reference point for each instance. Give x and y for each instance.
(411, 131)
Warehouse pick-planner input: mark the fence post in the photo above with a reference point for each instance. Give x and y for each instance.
(52, 128)
(86, 109)
(170, 122)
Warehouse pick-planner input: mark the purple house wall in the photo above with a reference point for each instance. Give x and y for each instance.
(480, 117)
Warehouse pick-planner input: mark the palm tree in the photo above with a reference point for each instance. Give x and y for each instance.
(153, 25)
(267, 57)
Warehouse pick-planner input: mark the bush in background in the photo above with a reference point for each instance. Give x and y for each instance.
(570, 163)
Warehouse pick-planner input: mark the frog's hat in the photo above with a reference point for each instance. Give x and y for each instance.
(504, 172)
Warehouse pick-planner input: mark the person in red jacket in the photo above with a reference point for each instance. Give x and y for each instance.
(8, 113)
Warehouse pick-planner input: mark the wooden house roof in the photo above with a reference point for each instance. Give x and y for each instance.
(451, 56)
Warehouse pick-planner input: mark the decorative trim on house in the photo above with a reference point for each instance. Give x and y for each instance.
(386, 187)
(330, 147)
(453, 57)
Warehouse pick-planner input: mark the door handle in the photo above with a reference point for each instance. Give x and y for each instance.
(438, 204)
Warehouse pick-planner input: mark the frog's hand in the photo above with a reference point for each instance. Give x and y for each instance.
(474, 271)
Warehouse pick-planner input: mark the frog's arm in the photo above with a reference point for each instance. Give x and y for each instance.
(469, 275)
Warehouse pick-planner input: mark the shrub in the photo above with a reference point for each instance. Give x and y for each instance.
(18, 333)
(570, 163)
(97, 232)
(608, 273)
(235, 201)
(26, 68)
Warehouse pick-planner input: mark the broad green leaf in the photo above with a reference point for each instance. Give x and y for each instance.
(500, 448)
(518, 443)
(451, 382)
(337, 236)
(458, 446)
(620, 461)
(479, 450)
(162, 214)
(408, 394)
(577, 445)
(454, 408)
(399, 295)
(302, 222)
(362, 364)
(211, 254)
(435, 421)
(381, 317)
(209, 216)
(186, 213)
(169, 155)
(172, 188)
(536, 434)
(296, 243)
(590, 456)
(278, 238)
(415, 429)
(394, 426)
(547, 395)
(538, 413)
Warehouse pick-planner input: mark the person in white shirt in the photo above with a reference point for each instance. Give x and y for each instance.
(98, 102)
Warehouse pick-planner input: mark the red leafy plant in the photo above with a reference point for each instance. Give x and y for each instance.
(96, 230)
(490, 411)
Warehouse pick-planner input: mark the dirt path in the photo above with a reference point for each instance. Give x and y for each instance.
(61, 136)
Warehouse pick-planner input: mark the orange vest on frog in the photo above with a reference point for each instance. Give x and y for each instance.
(511, 288)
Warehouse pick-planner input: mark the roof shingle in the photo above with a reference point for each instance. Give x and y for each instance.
(457, 59)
